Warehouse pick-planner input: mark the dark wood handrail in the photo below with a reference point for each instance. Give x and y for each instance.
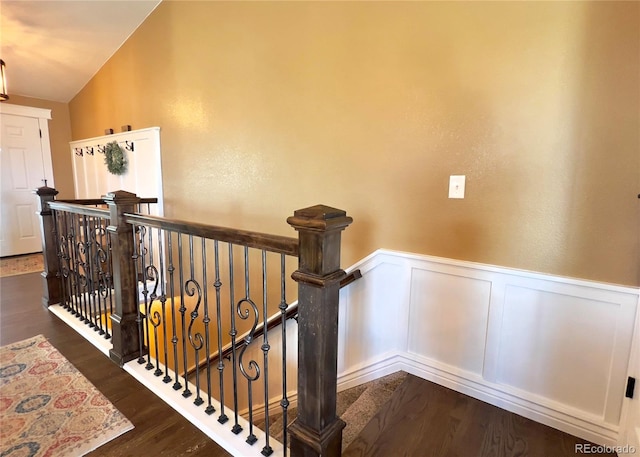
(100, 201)
(272, 323)
(75, 208)
(274, 243)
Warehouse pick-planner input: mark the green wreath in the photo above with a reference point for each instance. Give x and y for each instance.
(115, 159)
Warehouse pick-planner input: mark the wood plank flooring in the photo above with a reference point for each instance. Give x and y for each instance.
(425, 419)
(159, 430)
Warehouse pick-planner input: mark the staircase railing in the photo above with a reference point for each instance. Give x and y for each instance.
(177, 294)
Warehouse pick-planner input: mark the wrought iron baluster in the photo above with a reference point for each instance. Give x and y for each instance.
(266, 450)
(80, 282)
(153, 316)
(93, 268)
(147, 318)
(109, 281)
(174, 338)
(207, 335)
(63, 256)
(195, 339)
(163, 302)
(252, 365)
(86, 269)
(140, 316)
(183, 309)
(237, 428)
(218, 284)
(284, 403)
(96, 315)
(102, 291)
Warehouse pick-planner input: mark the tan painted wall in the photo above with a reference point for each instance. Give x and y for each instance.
(269, 107)
(59, 137)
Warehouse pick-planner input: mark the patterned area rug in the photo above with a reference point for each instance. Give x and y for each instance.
(48, 408)
(21, 264)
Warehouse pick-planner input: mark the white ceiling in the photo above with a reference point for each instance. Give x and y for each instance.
(52, 48)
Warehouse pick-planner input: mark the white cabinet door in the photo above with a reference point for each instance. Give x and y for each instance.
(22, 171)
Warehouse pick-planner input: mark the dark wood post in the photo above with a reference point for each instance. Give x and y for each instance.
(51, 281)
(124, 331)
(317, 430)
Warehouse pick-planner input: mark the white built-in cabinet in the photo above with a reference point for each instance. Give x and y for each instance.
(143, 177)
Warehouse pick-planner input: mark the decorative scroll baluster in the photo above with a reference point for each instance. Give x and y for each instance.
(96, 322)
(140, 316)
(195, 339)
(252, 365)
(151, 273)
(91, 295)
(141, 262)
(237, 428)
(64, 258)
(73, 270)
(77, 263)
(104, 291)
(174, 334)
(284, 403)
(183, 309)
(218, 284)
(108, 281)
(86, 270)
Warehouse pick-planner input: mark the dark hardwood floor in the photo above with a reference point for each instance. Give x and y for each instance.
(159, 430)
(425, 419)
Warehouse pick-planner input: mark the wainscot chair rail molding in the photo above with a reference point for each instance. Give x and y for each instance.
(186, 305)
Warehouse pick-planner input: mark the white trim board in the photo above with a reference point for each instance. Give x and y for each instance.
(26, 111)
(553, 349)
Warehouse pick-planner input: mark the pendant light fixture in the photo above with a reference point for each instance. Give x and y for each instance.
(3, 81)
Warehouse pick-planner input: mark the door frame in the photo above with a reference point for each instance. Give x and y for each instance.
(43, 116)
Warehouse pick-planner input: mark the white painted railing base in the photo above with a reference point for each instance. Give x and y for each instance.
(208, 424)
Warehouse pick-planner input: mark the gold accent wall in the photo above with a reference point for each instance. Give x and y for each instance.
(267, 107)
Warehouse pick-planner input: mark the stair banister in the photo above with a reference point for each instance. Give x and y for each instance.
(51, 280)
(125, 283)
(317, 431)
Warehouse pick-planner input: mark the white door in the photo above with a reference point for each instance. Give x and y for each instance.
(22, 171)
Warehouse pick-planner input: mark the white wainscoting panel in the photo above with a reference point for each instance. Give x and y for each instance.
(550, 348)
(448, 318)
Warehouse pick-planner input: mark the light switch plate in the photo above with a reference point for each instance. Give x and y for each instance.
(456, 186)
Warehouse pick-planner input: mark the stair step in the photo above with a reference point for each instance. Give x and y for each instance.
(356, 406)
(360, 412)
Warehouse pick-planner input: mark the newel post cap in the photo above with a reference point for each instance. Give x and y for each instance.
(120, 197)
(46, 191)
(319, 218)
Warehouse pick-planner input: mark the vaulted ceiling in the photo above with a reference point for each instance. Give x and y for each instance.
(53, 48)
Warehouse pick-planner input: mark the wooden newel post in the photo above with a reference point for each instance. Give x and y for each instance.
(317, 430)
(124, 332)
(50, 277)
